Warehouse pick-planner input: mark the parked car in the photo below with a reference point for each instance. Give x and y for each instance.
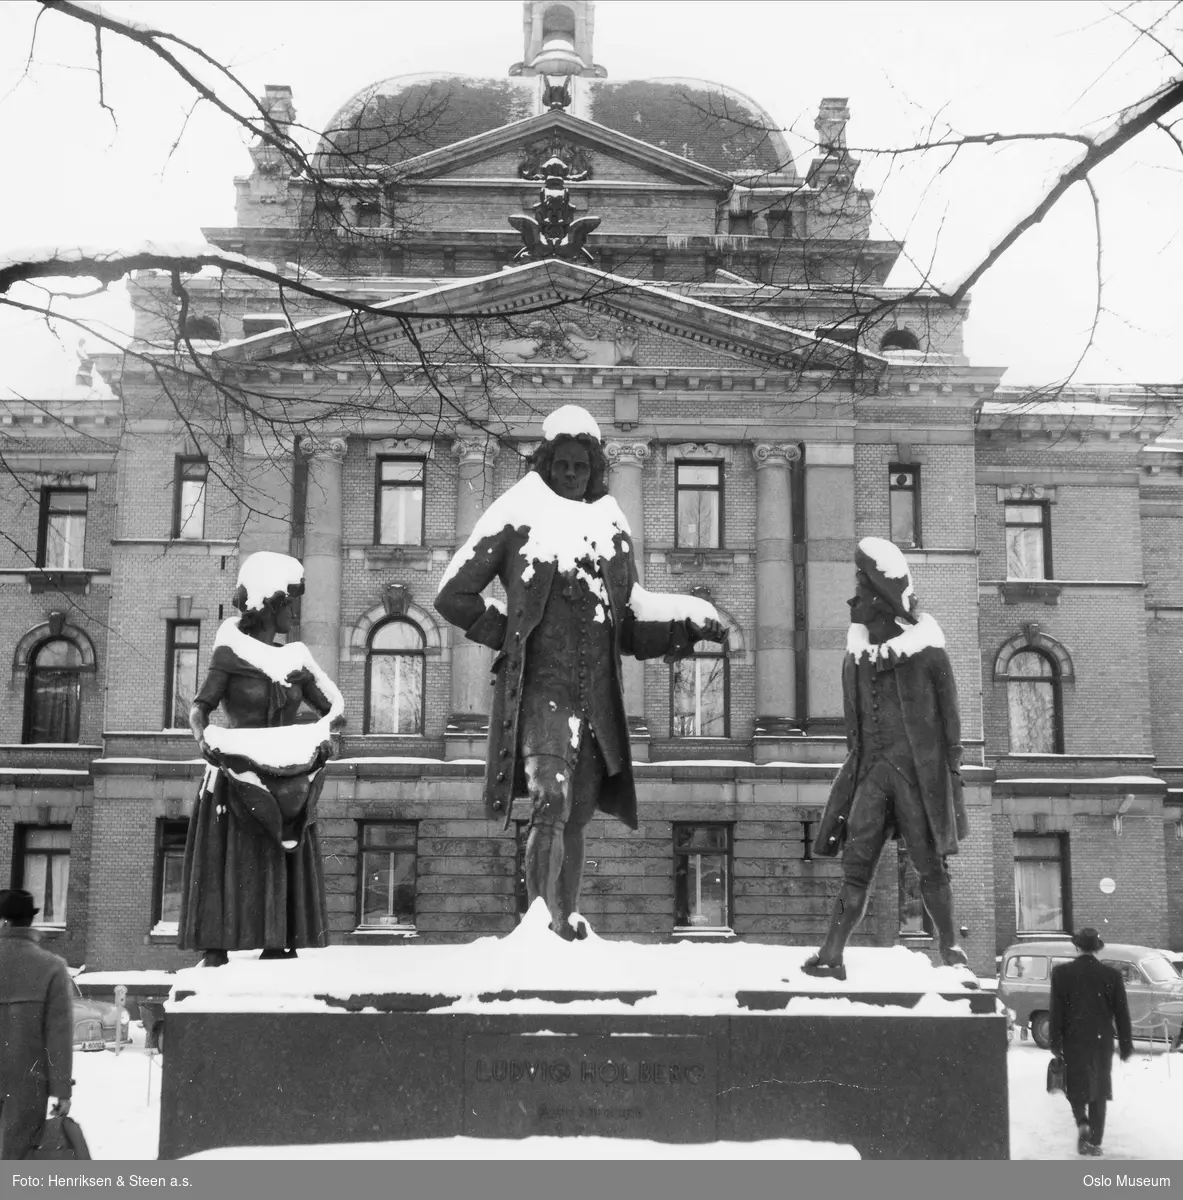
(1153, 988)
(95, 1021)
(1176, 959)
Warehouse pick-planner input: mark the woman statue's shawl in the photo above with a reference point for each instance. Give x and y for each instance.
(273, 772)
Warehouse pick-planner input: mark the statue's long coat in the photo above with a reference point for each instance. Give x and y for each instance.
(500, 556)
(928, 699)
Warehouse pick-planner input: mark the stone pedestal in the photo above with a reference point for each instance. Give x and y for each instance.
(895, 1086)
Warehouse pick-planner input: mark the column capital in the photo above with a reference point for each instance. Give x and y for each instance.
(476, 448)
(775, 454)
(627, 454)
(326, 449)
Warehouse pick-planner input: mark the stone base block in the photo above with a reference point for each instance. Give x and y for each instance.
(895, 1085)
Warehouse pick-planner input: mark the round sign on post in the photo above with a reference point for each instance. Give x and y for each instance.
(1108, 886)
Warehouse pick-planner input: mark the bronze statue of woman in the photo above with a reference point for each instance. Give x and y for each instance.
(253, 875)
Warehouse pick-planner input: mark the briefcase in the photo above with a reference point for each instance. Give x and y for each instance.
(1055, 1075)
(60, 1137)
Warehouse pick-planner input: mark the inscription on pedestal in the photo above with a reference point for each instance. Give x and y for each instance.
(655, 1086)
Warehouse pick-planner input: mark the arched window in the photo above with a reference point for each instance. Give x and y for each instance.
(900, 339)
(700, 699)
(1033, 698)
(395, 667)
(53, 694)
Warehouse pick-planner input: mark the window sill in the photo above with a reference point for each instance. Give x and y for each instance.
(380, 557)
(1026, 591)
(720, 561)
(703, 931)
(382, 935)
(52, 579)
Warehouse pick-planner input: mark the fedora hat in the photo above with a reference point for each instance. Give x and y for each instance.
(1088, 940)
(17, 904)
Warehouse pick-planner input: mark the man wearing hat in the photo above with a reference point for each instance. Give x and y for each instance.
(901, 777)
(1088, 1000)
(36, 1028)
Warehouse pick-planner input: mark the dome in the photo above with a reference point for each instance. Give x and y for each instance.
(407, 115)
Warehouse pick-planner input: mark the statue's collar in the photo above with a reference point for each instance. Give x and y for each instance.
(924, 634)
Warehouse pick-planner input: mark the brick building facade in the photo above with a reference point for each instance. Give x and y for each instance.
(765, 400)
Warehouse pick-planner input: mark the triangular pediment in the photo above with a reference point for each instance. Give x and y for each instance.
(500, 153)
(552, 312)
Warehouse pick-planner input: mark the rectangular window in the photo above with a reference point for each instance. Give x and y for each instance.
(386, 875)
(914, 918)
(903, 492)
(780, 223)
(699, 699)
(698, 491)
(367, 214)
(189, 498)
(398, 509)
(1028, 541)
(1041, 894)
(702, 876)
(43, 868)
(180, 672)
(170, 859)
(63, 528)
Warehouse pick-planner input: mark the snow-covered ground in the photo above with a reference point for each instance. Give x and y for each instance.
(117, 1102)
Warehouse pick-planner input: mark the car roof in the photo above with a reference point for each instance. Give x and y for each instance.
(1109, 950)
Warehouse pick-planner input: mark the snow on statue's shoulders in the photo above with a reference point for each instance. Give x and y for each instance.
(558, 530)
(924, 635)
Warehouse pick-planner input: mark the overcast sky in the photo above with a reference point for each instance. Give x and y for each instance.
(76, 173)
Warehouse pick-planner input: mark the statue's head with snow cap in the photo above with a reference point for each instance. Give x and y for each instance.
(571, 458)
(267, 584)
(883, 585)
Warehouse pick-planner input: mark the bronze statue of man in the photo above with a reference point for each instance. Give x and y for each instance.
(558, 734)
(901, 777)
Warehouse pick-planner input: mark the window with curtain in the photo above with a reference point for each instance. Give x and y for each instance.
(903, 493)
(170, 858)
(914, 918)
(699, 687)
(395, 669)
(44, 870)
(189, 498)
(387, 872)
(1028, 541)
(53, 697)
(702, 876)
(398, 513)
(1033, 699)
(698, 497)
(63, 528)
(181, 669)
(1040, 894)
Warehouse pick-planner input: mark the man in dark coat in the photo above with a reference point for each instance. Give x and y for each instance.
(558, 733)
(36, 1028)
(1088, 1000)
(901, 776)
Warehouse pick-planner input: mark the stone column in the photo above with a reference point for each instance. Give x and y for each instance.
(626, 485)
(776, 679)
(320, 609)
(266, 492)
(468, 720)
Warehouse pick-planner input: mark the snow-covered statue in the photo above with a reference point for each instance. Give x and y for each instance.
(901, 777)
(558, 733)
(252, 875)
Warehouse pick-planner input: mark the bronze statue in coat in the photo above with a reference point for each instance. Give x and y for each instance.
(1088, 1001)
(558, 733)
(901, 777)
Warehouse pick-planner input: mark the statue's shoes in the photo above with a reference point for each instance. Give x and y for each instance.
(214, 958)
(814, 966)
(954, 956)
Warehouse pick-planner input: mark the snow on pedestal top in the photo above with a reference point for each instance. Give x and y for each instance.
(685, 978)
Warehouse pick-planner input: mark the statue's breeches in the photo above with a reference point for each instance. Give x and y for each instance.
(885, 799)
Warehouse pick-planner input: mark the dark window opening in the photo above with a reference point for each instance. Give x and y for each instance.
(396, 665)
(900, 339)
(702, 876)
(192, 474)
(387, 853)
(61, 538)
(53, 693)
(42, 867)
(166, 890)
(181, 662)
(698, 499)
(903, 492)
(1034, 704)
(700, 693)
(201, 329)
(1041, 883)
(398, 502)
(1028, 540)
